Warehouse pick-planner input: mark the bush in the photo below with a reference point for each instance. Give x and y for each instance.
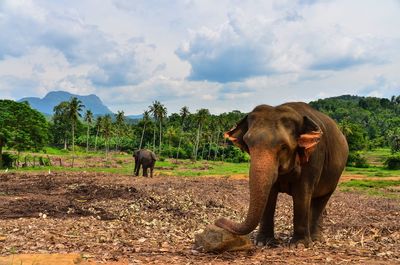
(355, 159)
(8, 160)
(43, 161)
(235, 155)
(393, 162)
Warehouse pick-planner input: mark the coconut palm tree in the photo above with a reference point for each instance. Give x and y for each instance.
(106, 129)
(159, 112)
(201, 117)
(183, 113)
(119, 123)
(75, 106)
(99, 122)
(89, 121)
(146, 119)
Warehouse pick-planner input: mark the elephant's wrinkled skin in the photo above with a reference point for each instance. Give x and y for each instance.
(146, 159)
(294, 149)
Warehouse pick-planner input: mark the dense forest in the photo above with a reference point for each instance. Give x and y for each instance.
(367, 123)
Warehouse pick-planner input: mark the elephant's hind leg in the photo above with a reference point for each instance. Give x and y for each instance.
(265, 236)
(144, 171)
(317, 212)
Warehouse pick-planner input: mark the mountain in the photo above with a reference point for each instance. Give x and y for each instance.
(52, 99)
(135, 117)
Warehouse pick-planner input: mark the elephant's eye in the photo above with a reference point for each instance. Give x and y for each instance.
(284, 147)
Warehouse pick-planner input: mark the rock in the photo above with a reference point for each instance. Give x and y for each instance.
(216, 239)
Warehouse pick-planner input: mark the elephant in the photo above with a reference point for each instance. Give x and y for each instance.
(293, 149)
(146, 159)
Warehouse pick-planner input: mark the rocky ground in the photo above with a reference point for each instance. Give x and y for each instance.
(133, 220)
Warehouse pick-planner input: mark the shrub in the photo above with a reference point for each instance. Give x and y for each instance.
(355, 159)
(393, 162)
(43, 161)
(8, 160)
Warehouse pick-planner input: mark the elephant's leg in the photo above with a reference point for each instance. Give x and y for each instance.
(137, 168)
(317, 212)
(302, 215)
(265, 234)
(145, 171)
(151, 171)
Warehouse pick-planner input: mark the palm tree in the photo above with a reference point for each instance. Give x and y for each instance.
(170, 134)
(99, 122)
(106, 129)
(146, 119)
(119, 122)
(89, 120)
(61, 121)
(74, 108)
(201, 117)
(159, 112)
(184, 113)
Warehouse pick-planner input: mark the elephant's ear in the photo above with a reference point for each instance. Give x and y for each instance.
(309, 139)
(236, 134)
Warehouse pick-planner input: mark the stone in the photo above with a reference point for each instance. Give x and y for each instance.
(216, 239)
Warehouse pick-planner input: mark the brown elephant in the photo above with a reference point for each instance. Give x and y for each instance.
(294, 149)
(145, 158)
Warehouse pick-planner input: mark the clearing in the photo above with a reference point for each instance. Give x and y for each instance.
(132, 220)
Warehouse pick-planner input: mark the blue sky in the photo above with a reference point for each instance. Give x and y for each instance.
(222, 55)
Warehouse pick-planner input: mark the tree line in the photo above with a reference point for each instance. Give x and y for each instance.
(184, 135)
(367, 123)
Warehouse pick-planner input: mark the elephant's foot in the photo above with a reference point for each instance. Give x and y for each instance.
(263, 240)
(318, 237)
(300, 242)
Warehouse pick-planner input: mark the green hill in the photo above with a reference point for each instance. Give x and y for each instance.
(368, 122)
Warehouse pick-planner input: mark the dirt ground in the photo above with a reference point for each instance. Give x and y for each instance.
(136, 220)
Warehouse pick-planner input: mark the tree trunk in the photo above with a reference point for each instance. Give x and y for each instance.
(17, 162)
(197, 143)
(65, 143)
(179, 147)
(1, 154)
(159, 146)
(141, 138)
(87, 139)
(73, 137)
(209, 148)
(202, 151)
(95, 140)
(154, 139)
(216, 149)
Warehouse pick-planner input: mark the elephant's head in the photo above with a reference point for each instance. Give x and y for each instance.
(279, 141)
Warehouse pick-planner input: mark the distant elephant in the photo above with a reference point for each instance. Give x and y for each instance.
(146, 159)
(294, 149)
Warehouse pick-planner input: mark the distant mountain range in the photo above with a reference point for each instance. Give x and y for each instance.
(52, 99)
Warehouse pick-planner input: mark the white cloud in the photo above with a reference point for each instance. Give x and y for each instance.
(220, 55)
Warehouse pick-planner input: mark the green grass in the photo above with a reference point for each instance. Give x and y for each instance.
(380, 188)
(372, 171)
(367, 184)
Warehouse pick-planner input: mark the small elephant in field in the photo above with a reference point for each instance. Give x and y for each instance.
(294, 149)
(146, 159)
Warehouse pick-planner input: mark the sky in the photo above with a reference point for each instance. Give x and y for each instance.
(221, 55)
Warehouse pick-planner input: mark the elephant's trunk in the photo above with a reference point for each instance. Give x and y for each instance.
(263, 173)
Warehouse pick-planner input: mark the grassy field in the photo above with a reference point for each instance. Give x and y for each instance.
(374, 180)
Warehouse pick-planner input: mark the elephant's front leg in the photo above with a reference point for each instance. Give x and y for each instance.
(265, 236)
(137, 168)
(302, 215)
